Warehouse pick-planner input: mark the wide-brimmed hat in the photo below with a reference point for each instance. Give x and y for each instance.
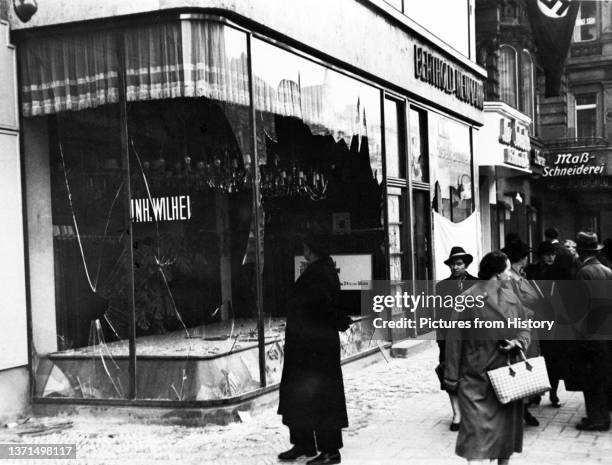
(546, 248)
(516, 250)
(588, 241)
(456, 253)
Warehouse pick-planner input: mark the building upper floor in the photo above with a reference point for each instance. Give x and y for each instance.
(339, 32)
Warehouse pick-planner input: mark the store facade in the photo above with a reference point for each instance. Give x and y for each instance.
(171, 160)
(576, 186)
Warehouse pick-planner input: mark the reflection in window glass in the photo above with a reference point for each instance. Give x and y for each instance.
(451, 167)
(319, 146)
(586, 22)
(395, 158)
(419, 153)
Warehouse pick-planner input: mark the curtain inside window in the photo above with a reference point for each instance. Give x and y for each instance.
(188, 59)
(527, 97)
(68, 73)
(507, 75)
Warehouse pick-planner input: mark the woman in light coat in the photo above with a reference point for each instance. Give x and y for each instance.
(489, 430)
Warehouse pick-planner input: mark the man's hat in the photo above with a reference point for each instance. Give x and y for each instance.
(546, 248)
(516, 250)
(458, 252)
(588, 241)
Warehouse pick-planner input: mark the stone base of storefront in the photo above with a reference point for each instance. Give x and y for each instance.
(14, 394)
(189, 414)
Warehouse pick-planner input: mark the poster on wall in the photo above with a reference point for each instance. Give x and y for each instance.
(354, 271)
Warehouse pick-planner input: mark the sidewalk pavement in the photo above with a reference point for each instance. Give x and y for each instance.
(397, 415)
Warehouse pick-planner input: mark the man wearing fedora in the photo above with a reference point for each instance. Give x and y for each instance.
(458, 281)
(589, 359)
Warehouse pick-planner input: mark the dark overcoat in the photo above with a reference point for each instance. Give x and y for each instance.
(453, 287)
(489, 429)
(551, 308)
(312, 389)
(589, 361)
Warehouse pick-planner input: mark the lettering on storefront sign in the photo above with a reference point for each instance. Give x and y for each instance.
(516, 137)
(441, 74)
(174, 208)
(569, 164)
(538, 159)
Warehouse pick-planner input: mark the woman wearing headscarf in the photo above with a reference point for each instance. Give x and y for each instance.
(311, 398)
(489, 429)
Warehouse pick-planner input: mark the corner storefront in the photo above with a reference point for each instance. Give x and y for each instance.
(171, 160)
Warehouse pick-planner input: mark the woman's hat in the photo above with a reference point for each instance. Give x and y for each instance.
(458, 252)
(588, 241)
(516, 250)
(546, 248)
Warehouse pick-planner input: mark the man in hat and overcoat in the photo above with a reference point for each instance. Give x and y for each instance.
(458, 281)
(589, 357)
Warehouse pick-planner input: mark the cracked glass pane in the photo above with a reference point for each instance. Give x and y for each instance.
(76, 334)
(192, 216)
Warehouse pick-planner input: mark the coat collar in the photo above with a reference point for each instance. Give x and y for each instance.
(590, 261)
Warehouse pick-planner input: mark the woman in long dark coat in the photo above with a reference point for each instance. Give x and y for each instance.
(489, 430)
(312, 400)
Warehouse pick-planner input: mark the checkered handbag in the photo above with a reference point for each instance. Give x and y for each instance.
(520, 380)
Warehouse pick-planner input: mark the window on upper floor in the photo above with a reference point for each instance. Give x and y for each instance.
(586, 27)
(516, 79)
(586, 115)
(527, 103)
(508, 75)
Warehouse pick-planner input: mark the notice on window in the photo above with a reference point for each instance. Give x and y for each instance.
(354, 271)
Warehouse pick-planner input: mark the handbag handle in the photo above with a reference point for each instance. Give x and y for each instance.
(528, 365)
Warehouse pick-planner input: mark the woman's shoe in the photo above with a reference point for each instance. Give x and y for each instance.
(554, 401)
(454, 426)
(530, 419)
(295, 453)
(325, 458)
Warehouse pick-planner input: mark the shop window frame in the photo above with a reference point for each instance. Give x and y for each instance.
(407, 183)
(577, 30)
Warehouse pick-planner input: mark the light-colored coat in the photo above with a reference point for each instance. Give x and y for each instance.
(489, 429)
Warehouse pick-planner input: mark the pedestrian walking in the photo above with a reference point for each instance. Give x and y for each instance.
(590, 359)
(531, 298)
(458, 281)
(565, 263)
(311, 398)
(489, 429)
(543, 273)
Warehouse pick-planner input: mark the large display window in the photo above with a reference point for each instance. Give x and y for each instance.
(451, 167)
(176, 200)
(170, 169)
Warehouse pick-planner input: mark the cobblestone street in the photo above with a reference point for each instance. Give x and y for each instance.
(396, 414)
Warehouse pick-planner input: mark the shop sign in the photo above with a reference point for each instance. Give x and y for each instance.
(570, 164)
(515, 136)
(516, 157)
(538, 159)
(443, 75)
(148, 210)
